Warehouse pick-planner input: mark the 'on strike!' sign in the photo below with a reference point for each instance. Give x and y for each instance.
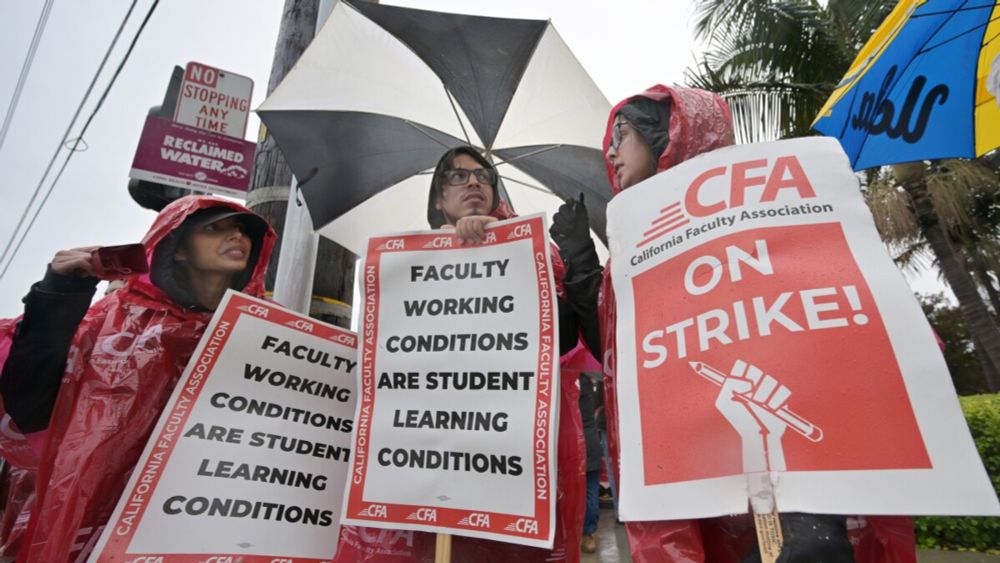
(458, 386)
(248, 459)
(762, 328)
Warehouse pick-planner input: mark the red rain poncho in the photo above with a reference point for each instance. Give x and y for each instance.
(700, 122)
(125, 358)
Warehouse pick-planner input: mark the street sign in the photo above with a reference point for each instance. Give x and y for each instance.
(214, 100)
(173, 154)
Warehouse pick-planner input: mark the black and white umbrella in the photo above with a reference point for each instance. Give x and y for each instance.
(383, 91)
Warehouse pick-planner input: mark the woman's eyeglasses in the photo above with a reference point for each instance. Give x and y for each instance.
(460, 176)
(617, 134)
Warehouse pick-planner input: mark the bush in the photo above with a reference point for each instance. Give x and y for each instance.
(982, 412)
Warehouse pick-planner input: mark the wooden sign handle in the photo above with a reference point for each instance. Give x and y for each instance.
(442, 552)
(769, 537)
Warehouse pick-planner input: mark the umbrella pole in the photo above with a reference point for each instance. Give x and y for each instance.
(442, 551)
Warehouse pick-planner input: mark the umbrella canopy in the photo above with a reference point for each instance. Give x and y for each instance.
(925, 86)
(382, 92)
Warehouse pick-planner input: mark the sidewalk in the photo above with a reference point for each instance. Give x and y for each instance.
(612, 547)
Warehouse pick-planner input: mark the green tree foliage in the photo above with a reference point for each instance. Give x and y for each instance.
(966, 195)
(982, 412)
(777, 61)
(966, 371)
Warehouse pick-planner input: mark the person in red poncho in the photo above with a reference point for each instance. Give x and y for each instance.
(86, 384)
(647, 134)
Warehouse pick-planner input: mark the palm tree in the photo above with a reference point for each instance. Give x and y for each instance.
(912, 177)
(966, 195)
(776, 62)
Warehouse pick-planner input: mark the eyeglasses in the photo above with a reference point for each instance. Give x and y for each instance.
(460, 176)
(617, 134)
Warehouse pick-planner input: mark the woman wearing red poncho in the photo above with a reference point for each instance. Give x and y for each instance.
(104, 372)
(647, 134)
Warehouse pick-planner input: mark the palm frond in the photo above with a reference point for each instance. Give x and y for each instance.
(914, 258)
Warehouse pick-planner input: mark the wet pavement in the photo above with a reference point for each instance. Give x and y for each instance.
(612, 546)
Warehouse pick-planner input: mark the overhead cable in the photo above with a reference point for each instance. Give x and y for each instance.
(25, 68)
(83, 131)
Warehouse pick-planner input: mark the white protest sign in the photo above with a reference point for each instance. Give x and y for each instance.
(214, 100)
(763, 331)
(249, 457)
(458, 390)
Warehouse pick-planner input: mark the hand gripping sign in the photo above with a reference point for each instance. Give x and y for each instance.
(249, 457)
(764, 331)
(458, 386)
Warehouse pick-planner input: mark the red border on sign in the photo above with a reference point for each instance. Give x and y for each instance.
(198, 371)
(502, 524)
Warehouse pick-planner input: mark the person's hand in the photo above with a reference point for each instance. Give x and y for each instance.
(472, 229)
(570, 231)
(74, 262)
(747, 400)
(571, 225)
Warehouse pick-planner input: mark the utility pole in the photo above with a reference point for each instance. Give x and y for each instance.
(333, 283)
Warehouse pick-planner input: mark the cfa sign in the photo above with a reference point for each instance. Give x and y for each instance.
(214, 100)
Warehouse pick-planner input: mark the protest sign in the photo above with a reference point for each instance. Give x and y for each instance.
(458, 390)
(763, 329)
(248, 458)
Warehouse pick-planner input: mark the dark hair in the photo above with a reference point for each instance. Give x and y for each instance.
(651, 120)
(434, 217)
(173, 279)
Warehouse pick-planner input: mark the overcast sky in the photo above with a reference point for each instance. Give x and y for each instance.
(626, 46)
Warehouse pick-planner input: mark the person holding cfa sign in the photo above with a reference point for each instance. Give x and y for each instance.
(464, 198)
(647, 134)
(86, 384)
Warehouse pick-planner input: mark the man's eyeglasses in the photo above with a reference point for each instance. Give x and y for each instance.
(460, 176)
(617, 135)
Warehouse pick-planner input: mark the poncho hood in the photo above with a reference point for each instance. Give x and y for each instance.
(700, 121)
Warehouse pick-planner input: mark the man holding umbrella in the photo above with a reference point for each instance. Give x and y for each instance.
(464, 197)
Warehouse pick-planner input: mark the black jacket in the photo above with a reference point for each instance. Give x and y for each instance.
(34, 368)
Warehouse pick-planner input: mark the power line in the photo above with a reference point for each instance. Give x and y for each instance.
(62, 142)
(83, 131)
(25, 67)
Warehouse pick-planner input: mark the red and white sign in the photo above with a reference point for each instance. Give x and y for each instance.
(179, 155)
(248, 460)
(458, 386)
(763, 329)
(214, 100)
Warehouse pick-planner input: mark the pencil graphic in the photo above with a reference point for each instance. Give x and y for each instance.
(811, 432)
